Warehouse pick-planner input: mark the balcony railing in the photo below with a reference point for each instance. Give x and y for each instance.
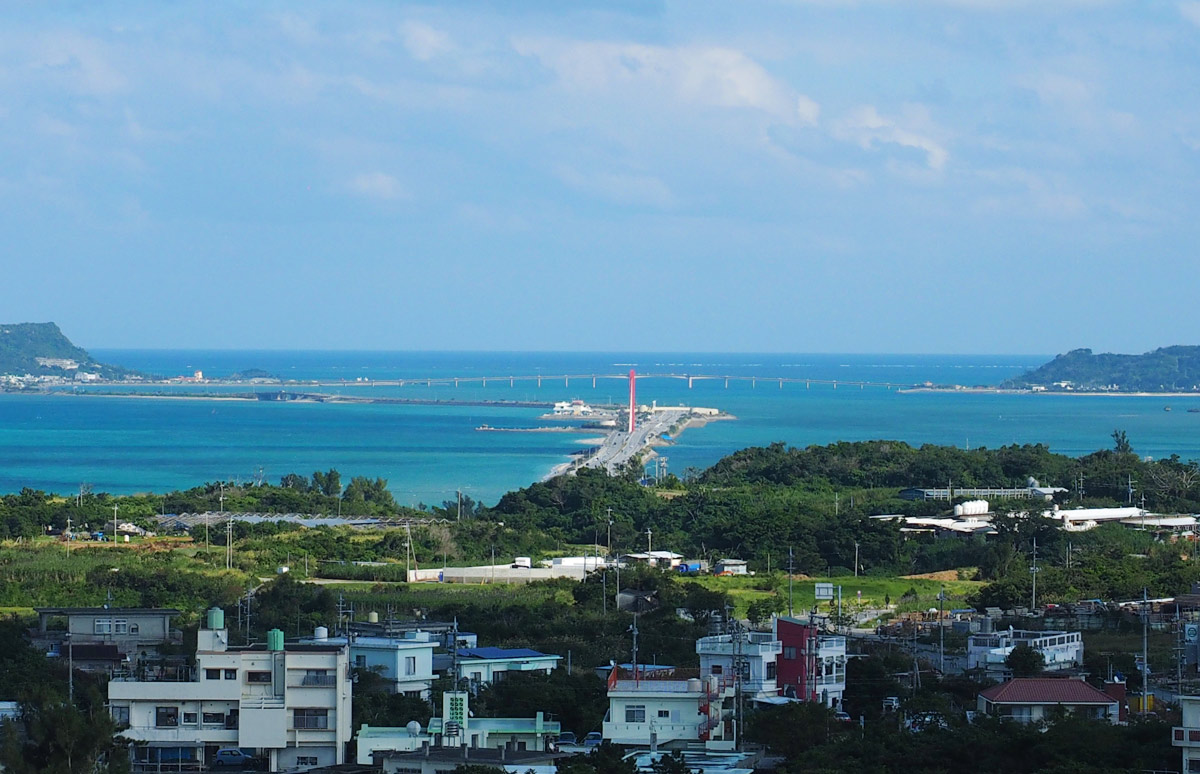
(155, 674)
(314, 681)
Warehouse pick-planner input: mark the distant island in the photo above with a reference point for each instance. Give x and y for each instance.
(1168, 369)
(38, 352)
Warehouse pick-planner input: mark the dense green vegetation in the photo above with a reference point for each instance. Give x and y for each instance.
(21, 344)
(1167, 369)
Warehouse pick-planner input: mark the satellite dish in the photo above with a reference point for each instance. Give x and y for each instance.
(414, 728)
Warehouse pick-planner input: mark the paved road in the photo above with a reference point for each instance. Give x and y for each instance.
(619, 446)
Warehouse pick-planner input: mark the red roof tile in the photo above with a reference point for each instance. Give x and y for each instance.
(1045, 690)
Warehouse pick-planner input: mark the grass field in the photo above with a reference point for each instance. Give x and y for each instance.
(875, 591)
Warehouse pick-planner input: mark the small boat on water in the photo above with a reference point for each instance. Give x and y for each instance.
(1166, 408)
(1194, 411)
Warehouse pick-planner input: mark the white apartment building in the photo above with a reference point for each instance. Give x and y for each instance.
(290, 703)
(1187, 736)
(480, 666)
(757, 651)
(670, 713)
(458, 727)
(406, 662)
(1059, 649)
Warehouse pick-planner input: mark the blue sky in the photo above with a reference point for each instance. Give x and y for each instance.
(788, 175)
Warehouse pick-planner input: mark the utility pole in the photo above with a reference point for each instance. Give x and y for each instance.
(1145, 649)
(941, 632)
(70, 668)
(635, 636)
(68, 536)
(855, 558)
(790, 574)
(1033, 570)
(459, 492)
(229, 544)
(737, 634)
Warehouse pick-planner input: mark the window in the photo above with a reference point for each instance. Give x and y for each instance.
(120, 715)
(771, 670)
(258, 677)
(214, 718)
(306, 760)
(134, 628)
(635, 713)
(789, 652)
(360, 661)
(166, 717)
(230, 674)
(310, 718)
(410, 665)
(120, 626)
(189, 718)
(212, 674)
(717, 669)
(664, 713)
(102, 626)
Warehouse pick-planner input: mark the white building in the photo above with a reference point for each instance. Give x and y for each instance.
(406, 663)
(480, 666)
(457, 727)
(670, 713)
(732, 567)
(1187, 735)
(758, 652)
(1059, 649)
(288, 703)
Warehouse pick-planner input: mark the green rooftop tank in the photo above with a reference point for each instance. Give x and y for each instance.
(275, 639)
(216, 619)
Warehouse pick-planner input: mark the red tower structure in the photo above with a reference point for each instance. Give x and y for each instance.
(632, 400)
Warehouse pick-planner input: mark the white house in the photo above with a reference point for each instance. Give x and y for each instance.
(406, 663)
(758, 651)
(457, 727)
(480, 666)
(1036, 699)
(1059, 649)
(671, 713)
(290, 703)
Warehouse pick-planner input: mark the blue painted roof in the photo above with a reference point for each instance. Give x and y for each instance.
(500, 653)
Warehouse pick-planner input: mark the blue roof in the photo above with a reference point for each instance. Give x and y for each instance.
(501, 653)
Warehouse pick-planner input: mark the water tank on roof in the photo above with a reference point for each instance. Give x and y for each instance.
(275, 640)
(693, 685)
(413, 728)
(321, 633)
(373, 617)
(216, 619)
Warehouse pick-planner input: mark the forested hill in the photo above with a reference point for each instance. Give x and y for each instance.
(1168, 369)
(42, 349)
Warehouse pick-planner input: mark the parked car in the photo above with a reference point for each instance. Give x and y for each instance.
(843, 717)
(593, 739)
(567, 737)
(234, 759)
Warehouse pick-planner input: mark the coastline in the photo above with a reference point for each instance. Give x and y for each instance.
(1079, 393)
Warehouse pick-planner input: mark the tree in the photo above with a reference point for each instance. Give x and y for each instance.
(1121, 443)
(1024, 661)
(328, 484)
(295, 481)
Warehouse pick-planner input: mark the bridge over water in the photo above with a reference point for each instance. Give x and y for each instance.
(566, 379)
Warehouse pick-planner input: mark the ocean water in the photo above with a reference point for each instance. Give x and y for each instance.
(428, 452)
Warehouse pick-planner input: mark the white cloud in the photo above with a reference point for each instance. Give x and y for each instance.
(1191, 11)
(424, 42)
(83, 61)
(376, 185)
(630, 189)
(711, 76)
(866, 127)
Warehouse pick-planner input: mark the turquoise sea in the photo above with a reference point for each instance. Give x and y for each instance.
(427, 452)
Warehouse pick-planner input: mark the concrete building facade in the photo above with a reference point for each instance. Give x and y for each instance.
(290, 703)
